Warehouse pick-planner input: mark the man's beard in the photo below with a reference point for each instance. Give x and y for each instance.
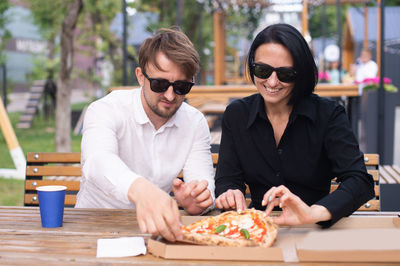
(168, 113)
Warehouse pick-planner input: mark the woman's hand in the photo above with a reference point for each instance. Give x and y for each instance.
(294, 210)
(231, 199)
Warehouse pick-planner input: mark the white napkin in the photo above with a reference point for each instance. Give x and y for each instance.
(120, 247)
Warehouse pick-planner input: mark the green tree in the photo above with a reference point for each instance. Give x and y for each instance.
(63, 107)
(48, 17)
(197, 21)
(392, 2)
(315, 21)
(94, 28)
(58, 18)
(5, 34)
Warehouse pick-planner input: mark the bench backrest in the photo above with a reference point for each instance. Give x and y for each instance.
(372, 163)
(53, 168)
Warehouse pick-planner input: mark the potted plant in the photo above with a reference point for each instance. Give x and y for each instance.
(369, 115)
(373, 84)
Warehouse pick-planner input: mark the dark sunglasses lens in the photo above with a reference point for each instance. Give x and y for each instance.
(182, 87)
(286, 75)
(159, 85)
(262, 72)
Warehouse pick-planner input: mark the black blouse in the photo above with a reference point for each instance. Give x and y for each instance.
(317, 145)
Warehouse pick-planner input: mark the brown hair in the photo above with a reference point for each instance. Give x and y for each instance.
(175, 45)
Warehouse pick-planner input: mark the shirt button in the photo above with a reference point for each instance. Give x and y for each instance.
(278, 174)
(280, 151)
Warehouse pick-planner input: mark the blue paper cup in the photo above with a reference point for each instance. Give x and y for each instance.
(51, 203)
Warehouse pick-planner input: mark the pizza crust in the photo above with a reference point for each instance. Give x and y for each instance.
(218, 240)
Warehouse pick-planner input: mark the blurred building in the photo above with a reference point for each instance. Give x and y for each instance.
(353, 40)
(354, 37)
(25, 44)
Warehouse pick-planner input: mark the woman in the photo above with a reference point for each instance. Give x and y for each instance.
(286, 143)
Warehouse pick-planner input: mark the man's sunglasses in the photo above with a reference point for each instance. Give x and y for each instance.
(264, 71)
(181, 87)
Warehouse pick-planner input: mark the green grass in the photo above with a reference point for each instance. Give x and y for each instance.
(11, 192)
(40, 137)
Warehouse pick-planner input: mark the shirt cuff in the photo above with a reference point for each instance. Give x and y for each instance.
(339, 204)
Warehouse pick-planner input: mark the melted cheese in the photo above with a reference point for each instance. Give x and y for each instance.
(233, 227)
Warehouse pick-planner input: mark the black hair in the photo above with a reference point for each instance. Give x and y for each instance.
(303, 60)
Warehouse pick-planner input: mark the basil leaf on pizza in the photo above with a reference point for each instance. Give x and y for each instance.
(236, 229)
(220, 228)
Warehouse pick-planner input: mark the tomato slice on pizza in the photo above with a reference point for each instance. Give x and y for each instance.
(245, 228)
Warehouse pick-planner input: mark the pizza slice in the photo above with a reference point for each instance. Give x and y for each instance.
(235, 229)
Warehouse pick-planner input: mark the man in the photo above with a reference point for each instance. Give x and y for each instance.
(50, 89)
(367, 68)
(135, 142)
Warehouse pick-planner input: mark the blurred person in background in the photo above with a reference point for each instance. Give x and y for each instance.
(366, 68)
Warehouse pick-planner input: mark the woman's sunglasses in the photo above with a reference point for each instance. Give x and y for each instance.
(264, 71)
(181, 87)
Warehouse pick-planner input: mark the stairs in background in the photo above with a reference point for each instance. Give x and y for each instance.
(35, 94)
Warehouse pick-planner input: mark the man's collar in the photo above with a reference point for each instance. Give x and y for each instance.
(176, 119)
(142, 118)
(139, 113)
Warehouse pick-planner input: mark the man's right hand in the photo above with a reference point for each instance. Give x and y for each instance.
(157, 213)
(231, 199)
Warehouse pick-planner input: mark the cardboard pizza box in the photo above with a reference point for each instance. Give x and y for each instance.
(160, 248)
(352, 239)
(350, 245)
(168, 250)
(396, 221)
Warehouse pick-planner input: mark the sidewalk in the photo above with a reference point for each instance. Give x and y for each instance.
(18, 100)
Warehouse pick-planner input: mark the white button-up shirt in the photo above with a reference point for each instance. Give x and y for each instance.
(120, 144)
(366, 70)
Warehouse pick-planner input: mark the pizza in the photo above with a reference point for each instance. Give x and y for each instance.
(246, 228)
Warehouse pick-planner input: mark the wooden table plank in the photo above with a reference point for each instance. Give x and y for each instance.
(24, 242)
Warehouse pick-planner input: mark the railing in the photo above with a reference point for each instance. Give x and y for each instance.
(200, 94)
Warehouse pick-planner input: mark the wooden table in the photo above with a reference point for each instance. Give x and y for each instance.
(24, 242)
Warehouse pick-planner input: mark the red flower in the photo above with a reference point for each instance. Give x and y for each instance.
(371, 81)
(323, 75)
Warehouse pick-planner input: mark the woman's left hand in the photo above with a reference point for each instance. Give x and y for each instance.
(294, 210)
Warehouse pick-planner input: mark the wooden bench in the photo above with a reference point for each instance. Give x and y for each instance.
(389, 184)
(52, 168)
(64, 169)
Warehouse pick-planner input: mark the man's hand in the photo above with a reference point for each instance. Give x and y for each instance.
(294, 210)
(231, 199)
(193, 196)
(157, 213)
